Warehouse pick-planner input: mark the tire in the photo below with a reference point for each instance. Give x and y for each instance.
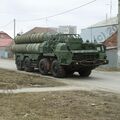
(19, 63)
(85, 73)
(69, 73)
(27, 65)
(44, 66)
(57, 70)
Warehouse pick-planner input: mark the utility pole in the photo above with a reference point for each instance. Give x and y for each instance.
(14, 27)
(110, 8)
(106, 17)
(110, 4)
(91, 34)
(118, 37)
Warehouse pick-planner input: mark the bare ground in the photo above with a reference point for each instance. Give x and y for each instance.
(59, 105)
(77, 105)
(14, 80)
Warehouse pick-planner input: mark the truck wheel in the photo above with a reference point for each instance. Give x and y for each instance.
(44, 66)
(19, 63)
(69, 72)
(85, 73)
(27, 65)
(57, 70)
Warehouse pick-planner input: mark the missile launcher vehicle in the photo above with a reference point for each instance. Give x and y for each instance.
(60, 54)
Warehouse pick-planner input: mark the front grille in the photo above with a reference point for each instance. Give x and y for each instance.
(79, 56)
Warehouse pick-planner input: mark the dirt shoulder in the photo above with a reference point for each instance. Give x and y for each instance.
(13, 80)
(77, 105)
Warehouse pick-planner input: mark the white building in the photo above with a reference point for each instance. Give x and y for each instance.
(67, 29)
(101, 31)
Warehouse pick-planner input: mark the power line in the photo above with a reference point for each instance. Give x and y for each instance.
(6, 24)
(61, 13)
(70, 10)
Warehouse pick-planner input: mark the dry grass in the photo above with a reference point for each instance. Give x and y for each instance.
(78, 105)
(13, 80)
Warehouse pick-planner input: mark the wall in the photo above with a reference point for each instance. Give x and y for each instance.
(112, 57)
(99, 34)
(118, 45)
(5, 53)
(67, 29)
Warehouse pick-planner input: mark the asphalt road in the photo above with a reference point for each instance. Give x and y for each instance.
(98, 80)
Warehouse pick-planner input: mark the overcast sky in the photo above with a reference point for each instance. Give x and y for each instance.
(25, 11)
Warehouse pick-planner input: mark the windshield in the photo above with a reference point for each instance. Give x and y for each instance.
(101, 48)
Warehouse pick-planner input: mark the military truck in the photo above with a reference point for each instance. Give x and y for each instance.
(59, 54)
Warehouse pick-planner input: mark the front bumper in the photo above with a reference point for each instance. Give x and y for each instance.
(90, 63)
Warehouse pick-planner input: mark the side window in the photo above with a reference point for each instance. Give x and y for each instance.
(98, 48)
(103, 48)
